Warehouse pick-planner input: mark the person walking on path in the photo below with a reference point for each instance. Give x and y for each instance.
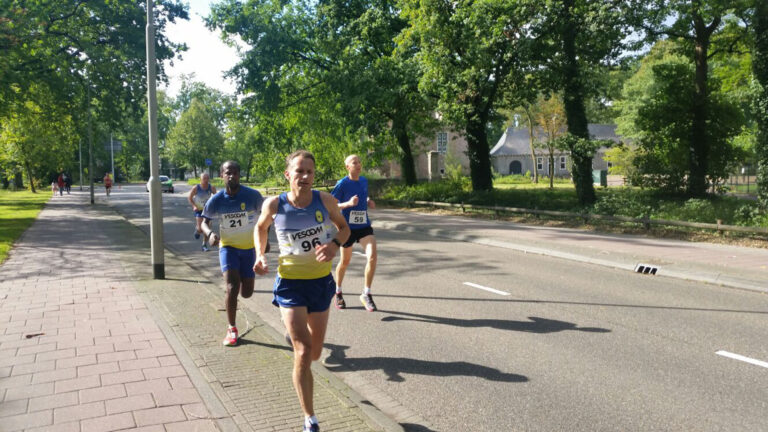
(198, 196)
(310, 231)
(354, 202)
(237, 208)
(108, 183)
(61, 183)
(68, 182)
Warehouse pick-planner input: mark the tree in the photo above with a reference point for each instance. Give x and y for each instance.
(549, 116)
(760, 69)
(467, 51)
(697, 24)
(657, 112)
(194, 138)
(577, 38)
(216, 101)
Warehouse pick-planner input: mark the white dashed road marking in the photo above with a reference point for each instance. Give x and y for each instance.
(742, 358)
(495, 291)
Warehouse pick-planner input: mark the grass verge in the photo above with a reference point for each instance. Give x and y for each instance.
(17, 212)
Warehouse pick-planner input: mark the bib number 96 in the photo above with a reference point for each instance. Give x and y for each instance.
(307, 245)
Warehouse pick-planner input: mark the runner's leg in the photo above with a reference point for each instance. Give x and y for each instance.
(341, 267)
(369, 244)
(233, 289)
(296, 322)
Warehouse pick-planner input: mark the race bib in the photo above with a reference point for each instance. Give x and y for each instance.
(234, 223)
(358, 217)
(305, 241)
(200, 201)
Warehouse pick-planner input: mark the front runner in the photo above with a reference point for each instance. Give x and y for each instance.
(310, 231)
(352, 193)
(198, 196)
(237, 208)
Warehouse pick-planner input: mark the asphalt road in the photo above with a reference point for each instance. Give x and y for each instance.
(553, 345)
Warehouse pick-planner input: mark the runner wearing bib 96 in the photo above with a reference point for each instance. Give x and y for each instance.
(310, 231)
(198, 196)
(237, 208)
(352, 193)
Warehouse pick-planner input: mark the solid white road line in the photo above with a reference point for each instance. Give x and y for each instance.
(742, 358)
(495, 291)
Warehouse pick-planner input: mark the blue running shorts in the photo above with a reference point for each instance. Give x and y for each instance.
(315, 294)
(242, 260)
(198, 213)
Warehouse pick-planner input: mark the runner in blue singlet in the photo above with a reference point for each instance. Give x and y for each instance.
(310, 230)
(237, 207)
(352, 193)
(198, 196)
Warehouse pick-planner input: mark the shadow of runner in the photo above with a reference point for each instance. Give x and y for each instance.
(394, 367)
(535, 325)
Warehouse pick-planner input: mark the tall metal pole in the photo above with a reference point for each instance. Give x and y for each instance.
(112, 156)
(90, 146)
(155, 200)
(80, 156)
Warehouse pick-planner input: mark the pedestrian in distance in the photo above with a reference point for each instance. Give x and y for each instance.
(67, 182)
(354, 202)
(198, 196)
(60, 183)
(237, 208)
(108, 183)
(310, 231)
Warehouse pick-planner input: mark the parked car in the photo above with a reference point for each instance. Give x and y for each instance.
(166, 184)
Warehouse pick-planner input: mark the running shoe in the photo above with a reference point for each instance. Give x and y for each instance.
(340, 303)
(231, 339)
(197, 235)
(367, 301)
(314, 427)
(205, 247)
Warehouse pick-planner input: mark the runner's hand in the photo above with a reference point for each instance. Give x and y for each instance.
(354, 200)
(213, 238)
(260, 267)
(326, 252)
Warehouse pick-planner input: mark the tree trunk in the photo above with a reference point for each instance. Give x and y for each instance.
(533, 149)
(407, 166)
(551, 170)
(760, 70)
(478, 152)
(29, 177)
(698, 159)
(573, 101)
(18, 180)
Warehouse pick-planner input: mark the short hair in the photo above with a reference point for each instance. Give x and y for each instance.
(349, 158)
(299, 153)
(230, 162)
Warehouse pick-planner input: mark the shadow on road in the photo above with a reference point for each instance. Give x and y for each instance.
(394, 367)
(535, 325)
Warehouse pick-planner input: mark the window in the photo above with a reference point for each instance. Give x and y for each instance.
(562, 163)
(539, 163)
(442, 142)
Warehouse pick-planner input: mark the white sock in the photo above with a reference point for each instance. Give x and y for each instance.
(310, 420)
(367, 291)
(231, 327)
(338, 289)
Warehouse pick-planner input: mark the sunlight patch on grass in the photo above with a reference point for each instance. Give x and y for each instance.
(17, 212)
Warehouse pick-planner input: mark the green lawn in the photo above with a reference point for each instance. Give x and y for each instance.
(17, 212)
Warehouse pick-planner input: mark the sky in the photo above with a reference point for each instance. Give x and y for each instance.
(207, 56)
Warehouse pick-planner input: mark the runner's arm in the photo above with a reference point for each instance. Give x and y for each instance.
(371, 204)
(326, 252)
(191, 197)
(211, 235)
(261, 234)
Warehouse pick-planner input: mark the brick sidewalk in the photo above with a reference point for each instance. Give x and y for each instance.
(89, 342)
(79, 349)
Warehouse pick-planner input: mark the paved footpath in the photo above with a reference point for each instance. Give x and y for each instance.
(90, 342)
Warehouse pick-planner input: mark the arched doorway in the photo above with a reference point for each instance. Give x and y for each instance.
(515, 167)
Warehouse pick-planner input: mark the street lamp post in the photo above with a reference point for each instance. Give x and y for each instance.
(155, 202)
